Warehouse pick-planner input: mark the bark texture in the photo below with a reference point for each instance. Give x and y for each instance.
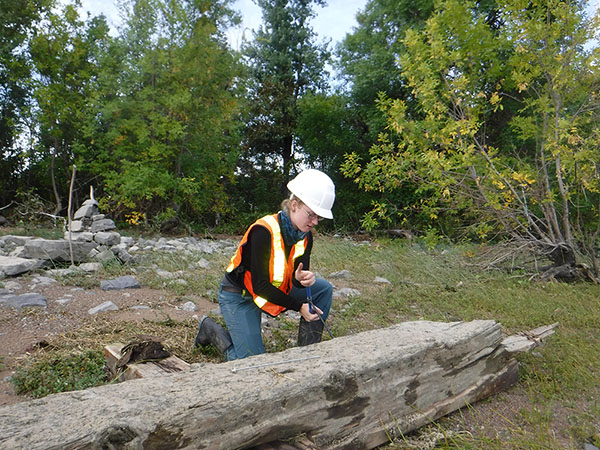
(351, 392)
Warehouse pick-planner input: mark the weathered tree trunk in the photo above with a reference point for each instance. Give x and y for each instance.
(349, 392)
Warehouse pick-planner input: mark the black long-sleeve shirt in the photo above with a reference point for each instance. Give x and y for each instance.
(255, 257)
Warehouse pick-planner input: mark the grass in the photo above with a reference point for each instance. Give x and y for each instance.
(556, 404)
(60, 374)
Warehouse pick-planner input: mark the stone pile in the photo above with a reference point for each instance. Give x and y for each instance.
(88, 221)
(91, 237)
(22, 254)
(89, 225)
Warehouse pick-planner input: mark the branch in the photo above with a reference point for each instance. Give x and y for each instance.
(7, 206)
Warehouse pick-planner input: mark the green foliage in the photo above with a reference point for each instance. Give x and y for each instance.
(64, 54)
(327, 130)
(368, 56)
(165, 121)
(17, 19)
(285, 64)
(61, 374)
(32, 211)
(462, 69)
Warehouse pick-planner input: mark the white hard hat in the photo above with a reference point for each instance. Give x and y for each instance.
(316, 190)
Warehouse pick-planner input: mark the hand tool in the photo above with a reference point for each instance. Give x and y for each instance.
(313, 310)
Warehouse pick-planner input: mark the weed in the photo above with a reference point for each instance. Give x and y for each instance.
(60, 374)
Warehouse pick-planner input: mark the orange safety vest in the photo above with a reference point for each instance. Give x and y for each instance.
(281, 270)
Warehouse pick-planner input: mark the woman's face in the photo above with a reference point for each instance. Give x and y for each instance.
(302, 217)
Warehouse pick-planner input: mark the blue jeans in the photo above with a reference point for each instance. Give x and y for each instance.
(243, 317)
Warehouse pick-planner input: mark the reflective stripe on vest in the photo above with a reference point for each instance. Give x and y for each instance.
(281, 271)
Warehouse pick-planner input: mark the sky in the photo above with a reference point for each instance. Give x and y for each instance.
(331, 22)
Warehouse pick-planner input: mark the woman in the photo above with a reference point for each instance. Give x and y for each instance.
(271, 270)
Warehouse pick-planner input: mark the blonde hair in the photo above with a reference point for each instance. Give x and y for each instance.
(286, 203)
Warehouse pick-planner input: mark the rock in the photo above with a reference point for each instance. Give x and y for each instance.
(57, 250)
(3, 221)
(125, 282)
(122, 254)
(62, 272)
(86, 210)
(23, 300)
(342, 274)
(128, 241)
(107, 238)
(91, 267)
(12, 285)
(202, 264)
(104, 256)
(106, 306)
(165, 274)
(64, 300)
(85, 236)
(76, 226)
(103, 225)
(14, 241)
(381, 280)
(346, 292)
(42, 281)
(189, 306)
(12, 265)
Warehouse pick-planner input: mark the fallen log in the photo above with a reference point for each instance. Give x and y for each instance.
(350, 392)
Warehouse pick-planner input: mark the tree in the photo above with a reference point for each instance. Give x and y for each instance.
(368, 57)
(63, 53)
(285, 64)
(541, 186)
(17, 20)
(167, 118)
(326, 131)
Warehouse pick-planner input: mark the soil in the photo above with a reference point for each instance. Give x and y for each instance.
(22, 331)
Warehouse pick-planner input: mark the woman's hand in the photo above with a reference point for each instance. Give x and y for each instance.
(305, 277)
(308, 316)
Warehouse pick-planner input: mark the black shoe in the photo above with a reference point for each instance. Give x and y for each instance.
(309, 332)
(210, 332)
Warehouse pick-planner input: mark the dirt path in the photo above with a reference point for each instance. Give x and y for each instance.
(23, 331)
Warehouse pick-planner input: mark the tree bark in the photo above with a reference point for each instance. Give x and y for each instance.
(353, 392)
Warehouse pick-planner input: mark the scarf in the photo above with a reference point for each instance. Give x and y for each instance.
(290, 234)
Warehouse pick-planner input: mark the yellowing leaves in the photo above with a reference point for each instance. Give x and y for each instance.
(523, 179)
(495, 101)
(499, 184)
(495, 98)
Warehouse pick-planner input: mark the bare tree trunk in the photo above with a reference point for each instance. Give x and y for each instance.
(53, 178)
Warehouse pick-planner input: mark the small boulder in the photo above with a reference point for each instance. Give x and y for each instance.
(103, 225)
(346, 292)
(125, 282)
(12, 265)
(106, 306)
(23, 300)
(342, 274)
